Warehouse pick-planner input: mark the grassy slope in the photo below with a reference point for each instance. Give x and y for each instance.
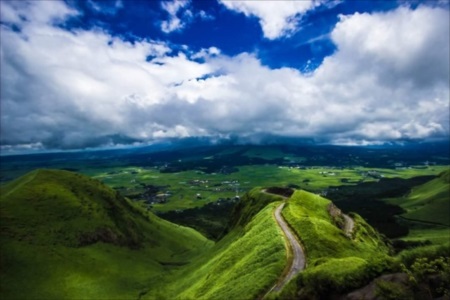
(87, 240)
(52, 222)
(307, 214)
(244, 264)
(429, 202)
(331, 256)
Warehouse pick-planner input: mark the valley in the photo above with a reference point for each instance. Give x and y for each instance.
(280, 228)
(224, 150)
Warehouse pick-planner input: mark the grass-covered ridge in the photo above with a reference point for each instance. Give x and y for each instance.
(429, 202)
(244, 265)
(308, 215)
(427, 212)
(89, 241)
(92, 243)
(335, 262)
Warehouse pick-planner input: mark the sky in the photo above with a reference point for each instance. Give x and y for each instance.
(90, 74)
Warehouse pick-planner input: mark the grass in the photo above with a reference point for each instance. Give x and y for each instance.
(429, 202)
(335, 275)
(99, 271)
(432, 234)
(334, 262)
(91, 243)
(268, 152)
(307, 214)
(88, 241)
(408, 257)
(244, 265)
(184, 193)
(427, 211)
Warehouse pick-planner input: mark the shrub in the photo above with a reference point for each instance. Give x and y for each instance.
(392, 291)
(408, 257)
(431, 275)
(336, 275)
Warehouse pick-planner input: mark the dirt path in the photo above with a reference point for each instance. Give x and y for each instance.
(349, 225)
(298, 256)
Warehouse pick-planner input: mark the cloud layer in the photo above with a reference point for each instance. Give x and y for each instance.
(388, 80)
(276, 19)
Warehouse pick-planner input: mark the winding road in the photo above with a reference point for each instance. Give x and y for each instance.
(298, 256)
(298, 262)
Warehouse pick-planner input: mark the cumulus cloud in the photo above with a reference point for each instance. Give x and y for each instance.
(85, 88)
(175, 9)
(20, 12)
(277, 18)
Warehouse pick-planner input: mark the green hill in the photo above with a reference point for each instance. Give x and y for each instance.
(244, 264)
(335, 262)
(91, 243)
(429, 202)
(65, 236)
(249, 260)
(427, 209)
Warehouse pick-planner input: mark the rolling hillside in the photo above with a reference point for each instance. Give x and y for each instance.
(91, 243)
(429, 202)
(87, 240)
(244, 264)
(336, 262)
(427, 209)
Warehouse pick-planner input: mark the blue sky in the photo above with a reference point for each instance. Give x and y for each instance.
(87, 74)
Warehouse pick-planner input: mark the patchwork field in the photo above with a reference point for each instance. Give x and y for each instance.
(195, 188)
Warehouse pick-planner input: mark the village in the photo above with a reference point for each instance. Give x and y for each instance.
(153, 185)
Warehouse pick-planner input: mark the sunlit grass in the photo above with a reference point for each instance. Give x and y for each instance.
(429, 202)
(44, 217)
(334, 261)
(243, 265)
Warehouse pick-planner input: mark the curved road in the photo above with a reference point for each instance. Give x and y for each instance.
(298, 261)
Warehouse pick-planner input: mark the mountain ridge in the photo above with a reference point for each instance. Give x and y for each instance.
(93, 243)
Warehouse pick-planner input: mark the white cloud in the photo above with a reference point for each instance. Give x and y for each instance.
(106, 8)
(174, 9)
(277, 18)
(19, 12)
(203, 15)
(84, 88)
(204, 53)
(401, 45)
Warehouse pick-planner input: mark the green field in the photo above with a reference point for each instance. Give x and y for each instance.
(429, 202)
(427, 211)
(183, 191)
(435, 235)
